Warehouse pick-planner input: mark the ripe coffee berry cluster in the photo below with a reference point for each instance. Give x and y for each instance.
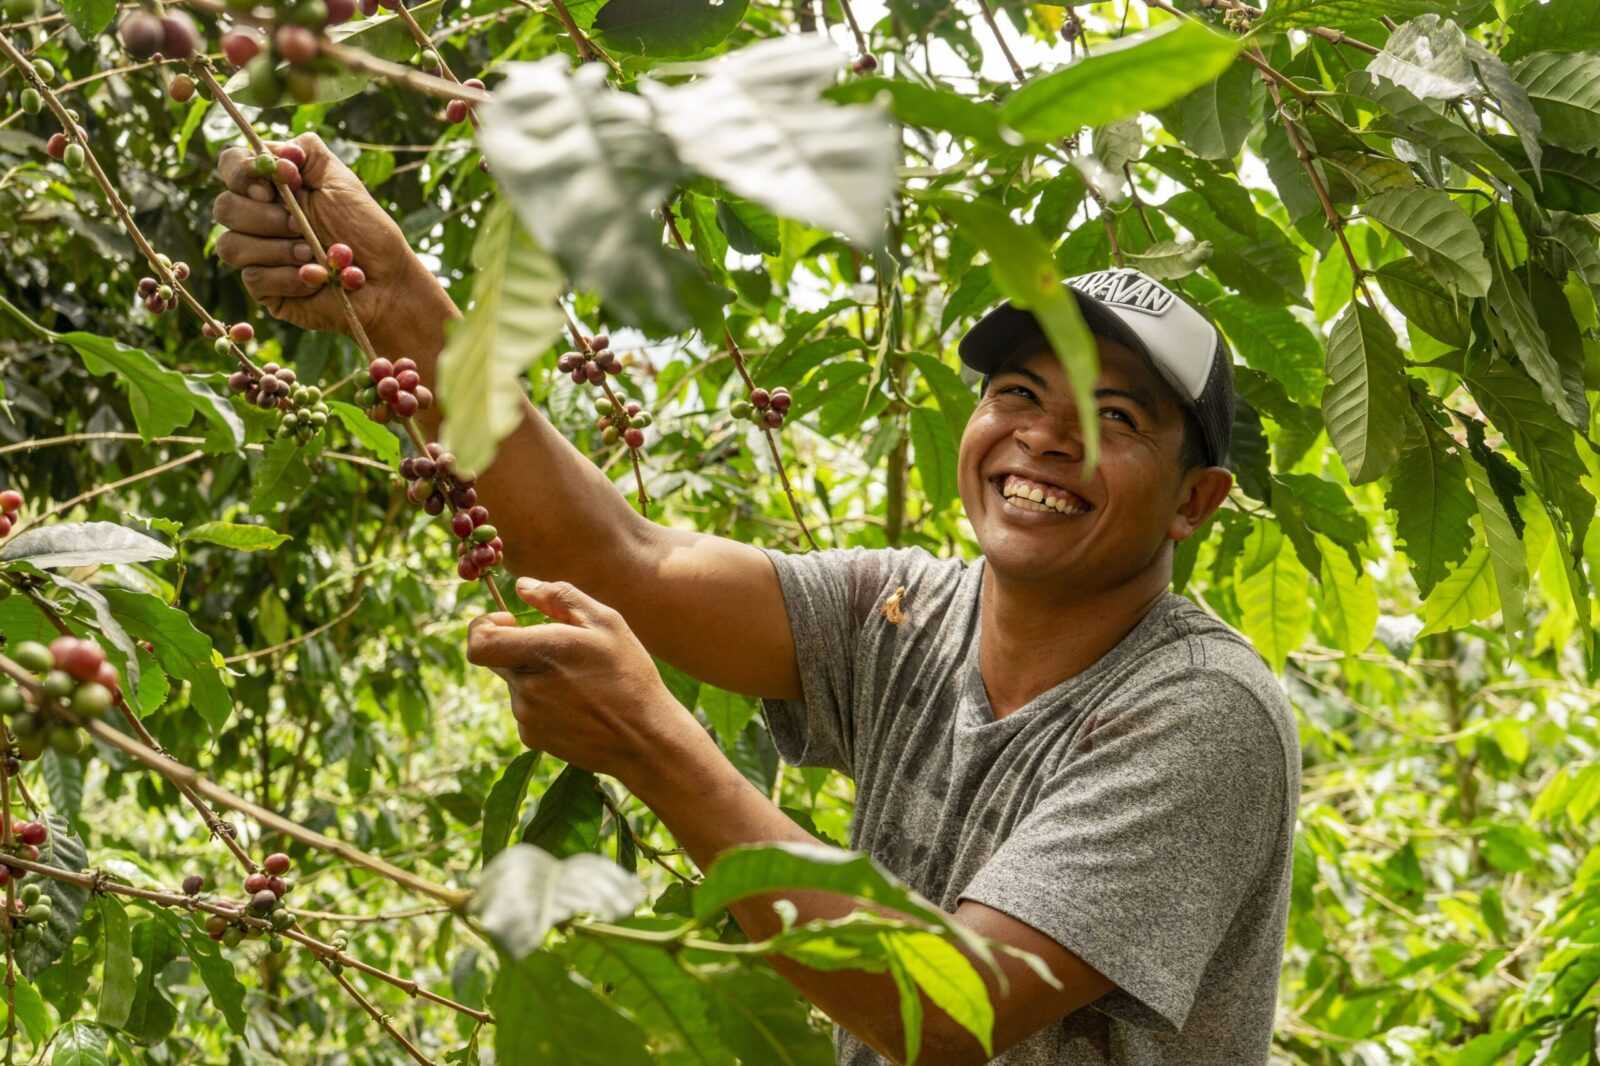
(593, 365)
(10, 504)
(764, 408)
(158, 296)
(340, 264)
(396, 391)
(626, 425)
(172, 35)
(479, 548)
(264, 890)
(273, 388)
(433, 481)
(297, 42)
(68, 152)
(459, 110)
(75, 675)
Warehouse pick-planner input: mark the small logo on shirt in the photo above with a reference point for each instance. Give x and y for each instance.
(1125, 289)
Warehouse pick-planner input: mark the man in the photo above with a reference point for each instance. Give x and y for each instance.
(1046, 742)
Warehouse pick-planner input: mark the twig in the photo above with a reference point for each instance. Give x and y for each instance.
(427, 46)
(1005, 49)
(855, 29)
(739, 364)
(587, 49)
(381, 1018)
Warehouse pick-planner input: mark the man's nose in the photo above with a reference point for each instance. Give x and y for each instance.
(1060, 436)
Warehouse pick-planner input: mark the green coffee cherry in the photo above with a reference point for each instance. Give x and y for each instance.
(38, 912)
(74, 157)
(741, 409)
(46, 72)
(92, 700)
(33, 657)
(222, 346)
(30, 895)
(60, 684)
(66, 740)
(485, 533)
(232, 936)
(266, 165)
(10, 700)
(32, 102)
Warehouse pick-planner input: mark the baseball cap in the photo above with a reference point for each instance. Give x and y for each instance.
(1143, 315)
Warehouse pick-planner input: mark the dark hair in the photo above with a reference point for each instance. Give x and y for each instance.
(1191, 450)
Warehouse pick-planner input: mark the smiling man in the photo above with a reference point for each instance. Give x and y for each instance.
(1045, 741)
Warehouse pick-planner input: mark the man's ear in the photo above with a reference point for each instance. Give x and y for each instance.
(1204, 489)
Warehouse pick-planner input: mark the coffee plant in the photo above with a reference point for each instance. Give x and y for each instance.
(254, 805)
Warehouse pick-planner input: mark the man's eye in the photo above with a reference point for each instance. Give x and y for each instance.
(1017, 390)
(1117, 412)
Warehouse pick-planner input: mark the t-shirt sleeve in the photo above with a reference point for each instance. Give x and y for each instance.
(829, 596)
(1146, 840)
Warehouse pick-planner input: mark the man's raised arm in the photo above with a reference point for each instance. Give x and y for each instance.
(710, 606)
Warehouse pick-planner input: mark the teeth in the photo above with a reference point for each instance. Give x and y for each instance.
(1036, 495)
(1031, 496)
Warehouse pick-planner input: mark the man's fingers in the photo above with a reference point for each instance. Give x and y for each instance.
(522, 649)
(565, 602)
(322, 166)
(283, 282)
(242, 250)
(244, 215)
(235, 167)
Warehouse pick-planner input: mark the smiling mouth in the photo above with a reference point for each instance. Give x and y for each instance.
(1039, 497)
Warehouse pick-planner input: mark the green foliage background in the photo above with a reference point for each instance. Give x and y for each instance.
(1411, 542)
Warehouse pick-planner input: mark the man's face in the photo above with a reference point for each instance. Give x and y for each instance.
(1037, 516)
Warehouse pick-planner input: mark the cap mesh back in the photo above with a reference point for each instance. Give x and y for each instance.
(1214, 408)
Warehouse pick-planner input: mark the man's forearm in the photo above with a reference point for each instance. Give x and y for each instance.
(709, 807)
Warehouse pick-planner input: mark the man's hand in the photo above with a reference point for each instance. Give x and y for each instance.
(582, 686)
(400, 297)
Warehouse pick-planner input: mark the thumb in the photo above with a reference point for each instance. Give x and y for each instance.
(564, 602)
(322, 166)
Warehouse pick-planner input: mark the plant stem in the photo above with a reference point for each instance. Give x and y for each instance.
(855, 29)
(1005, 49)
(381, 1018)
(587, 49)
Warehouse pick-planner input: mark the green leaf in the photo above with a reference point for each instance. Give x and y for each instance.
(82, 544)
(1506, 553)
(1308, 505)
(1213, 120)
(1424, 301)
(955, 397)
(1512, 402)
(1166, 260)
(754, 870)
(1429, 495)
(667, 29)
(505, 800)
(239, 537)
(1271, 339)
(157, 941)
(89, 17)
(281, 475)
(182, 650)
(525, 892)
(1466, 595)
(80, 1044)
(1025, 273)
(1560, 26)
(1438, 232)
(1565, 90)
(191, 122)
(1349, 602)
(1427, 55)
(749, 227)
(514, 318)
(46, 943)
(32, 1014)
(915, 104)
(1364, 405)
(216, 970)
(934, 451)
(1261, 262)
(1274, 593)
(116, 977)
(947, 977)
(369, 434)
(163, 400)
(1515, 325)
(756, 122)
(1283, 14)
(910, 1008)
(568, 818)
(545, 1017)
(584, 166)
(760, 1019)
(1140, 72)
(727, 712)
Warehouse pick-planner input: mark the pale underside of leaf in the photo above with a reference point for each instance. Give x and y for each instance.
(1438, 232)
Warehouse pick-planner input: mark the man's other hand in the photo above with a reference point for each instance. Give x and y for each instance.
(582, 686)
(263, 240)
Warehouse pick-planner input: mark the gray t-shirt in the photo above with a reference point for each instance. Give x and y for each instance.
(1141, 813)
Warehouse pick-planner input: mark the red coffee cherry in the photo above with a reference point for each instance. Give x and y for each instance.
(865, 64)
(278, 886)
(142, 34)
(255, 883)
(295, 44)
(314, 275)
(107, 676)
(461, 524)
(340, 11)
(181, 89)
(241, 332)
(402, 365)
(193, 884)
(379, 369)
(33, 833)
(424, 397)
(634, 438)
(277, 864)
(467, 570)
(179, 38)
(56, 148)
(456, 111)
(435, 503)
(263, 902)
(352, 278)
(292, 154)
(388, 389)
(240, 46)
(760, 398)
(405, 405)
(340, 256)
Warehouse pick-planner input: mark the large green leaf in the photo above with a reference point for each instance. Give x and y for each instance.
(1424, 301)
(569, 815)
(1140, 72)
(545, 1016)
(1429, 495)
(759, 869)
(183, 651)
(79, 1044)
(46, 943)
(1308, 507)
(1213, 120)
(1557, 26)
(1271, 339)
(1428, 55)
(82, 544)
(1438, 232)
(1565, 90)
(756, 122)
(667, 29)
(1514, 323)
(163, 400)
(1466, 595)
(916, 104)
(761, 1021)
(216, 971)
(514, 318)
(1023, 270)
(505, 800)
(238, 536)
(1261, 262)
(89, 17)
(1283, 14)
(1274, 593)
(948, 979)
(525, 892)
(1364, 406)
(584, 166)
(116, 975)
(1349, 602)
(1506, 553)
(934, 450)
